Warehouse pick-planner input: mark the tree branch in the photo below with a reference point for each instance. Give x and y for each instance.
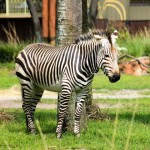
(126, 55)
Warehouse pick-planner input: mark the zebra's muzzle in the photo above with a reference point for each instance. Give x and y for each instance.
(114, 78)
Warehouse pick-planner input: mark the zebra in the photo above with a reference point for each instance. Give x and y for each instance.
(64, 69)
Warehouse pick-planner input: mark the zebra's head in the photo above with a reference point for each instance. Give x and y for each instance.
(107, 57)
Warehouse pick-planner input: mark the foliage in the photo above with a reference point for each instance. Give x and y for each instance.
(137, 45)
(127, 128)
(8, 51)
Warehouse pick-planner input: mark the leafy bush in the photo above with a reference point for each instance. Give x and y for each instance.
(8, 51)
(137, 45)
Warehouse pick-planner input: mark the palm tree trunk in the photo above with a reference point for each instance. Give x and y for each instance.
(69, 21)
(36, 22)
(85, 24)
(85, 27)
(93, 12)
(69, 25)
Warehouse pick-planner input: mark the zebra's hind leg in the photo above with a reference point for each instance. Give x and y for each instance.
(27, 91)
(36, 96)
(31, 95)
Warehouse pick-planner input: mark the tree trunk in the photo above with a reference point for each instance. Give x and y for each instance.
(36, 22)
(69, 21)
(85, 24)
(69, 26)
(93, 12)
(85, 27)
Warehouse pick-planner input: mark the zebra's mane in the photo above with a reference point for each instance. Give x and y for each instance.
(89, 36)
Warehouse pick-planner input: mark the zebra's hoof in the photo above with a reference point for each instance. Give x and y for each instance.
(58, 135)
(32, 131)
(78, 135)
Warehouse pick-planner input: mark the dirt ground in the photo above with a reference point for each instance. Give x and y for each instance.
(11, 98)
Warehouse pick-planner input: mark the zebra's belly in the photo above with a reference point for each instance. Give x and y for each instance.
(54, 88)
(57, 87)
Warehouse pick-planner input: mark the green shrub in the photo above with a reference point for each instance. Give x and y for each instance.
(136, 45)
(8, 51)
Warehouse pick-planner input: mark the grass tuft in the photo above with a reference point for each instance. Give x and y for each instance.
(131, 126)
(96, 114)
(41, 134)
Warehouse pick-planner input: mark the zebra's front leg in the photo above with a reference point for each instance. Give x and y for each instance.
(63, 104)
(78, 111)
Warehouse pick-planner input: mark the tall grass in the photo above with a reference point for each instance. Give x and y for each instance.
(9, 49)
(137, 45)
(11, 33)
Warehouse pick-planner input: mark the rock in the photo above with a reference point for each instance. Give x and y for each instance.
(133, 67)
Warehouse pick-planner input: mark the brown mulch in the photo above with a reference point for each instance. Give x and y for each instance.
(4, 116)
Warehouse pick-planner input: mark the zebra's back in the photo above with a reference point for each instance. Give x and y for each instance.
(46, 65)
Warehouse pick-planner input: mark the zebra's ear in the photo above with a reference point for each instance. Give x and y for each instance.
(114, 36)
(97, 37)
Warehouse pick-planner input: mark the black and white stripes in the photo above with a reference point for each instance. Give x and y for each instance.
(64, 69)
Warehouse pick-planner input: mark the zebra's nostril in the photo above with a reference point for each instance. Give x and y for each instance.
(114, 78)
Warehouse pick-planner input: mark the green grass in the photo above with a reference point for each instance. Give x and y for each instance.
(48, 101)
(127, 128)
(126, 82)
(7, 78)
(142, 101)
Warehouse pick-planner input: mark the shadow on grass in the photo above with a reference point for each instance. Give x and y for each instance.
(142, 118)
(47, 120)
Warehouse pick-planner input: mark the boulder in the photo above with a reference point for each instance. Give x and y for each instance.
(136, 66)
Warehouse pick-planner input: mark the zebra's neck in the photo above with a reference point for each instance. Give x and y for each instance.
(91, 60)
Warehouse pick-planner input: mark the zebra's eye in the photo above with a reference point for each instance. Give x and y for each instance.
(106, 55)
